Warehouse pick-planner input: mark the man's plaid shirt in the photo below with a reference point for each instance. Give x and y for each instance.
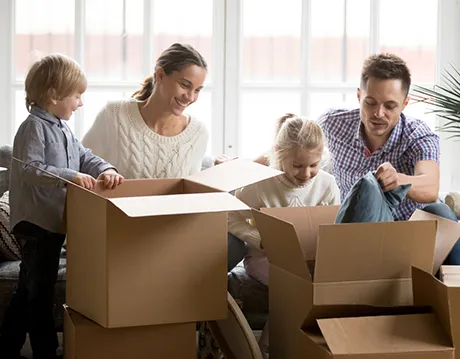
(410, 142)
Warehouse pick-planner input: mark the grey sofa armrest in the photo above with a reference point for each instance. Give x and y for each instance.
(207, 162)
(5, 161)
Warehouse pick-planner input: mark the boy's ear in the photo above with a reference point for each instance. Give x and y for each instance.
(52, 96)
(277, 147)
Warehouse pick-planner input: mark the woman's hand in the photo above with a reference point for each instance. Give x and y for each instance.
(111, 178)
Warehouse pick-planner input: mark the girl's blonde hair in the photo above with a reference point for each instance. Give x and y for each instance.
(56, 77)
(295, 133)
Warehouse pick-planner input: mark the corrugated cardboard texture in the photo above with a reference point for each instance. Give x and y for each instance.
(293, 338)
(373, 251)
(385, 334)
(86, 268)
(142, 187)
(178, 204)
(444, 299)
(151, 252)
(87, 340)
(382, 292)
(290, 303)
(234, 174)
(167, 262)
(274, 231)
(356, 264)
(306, 221)
(158, 270)
(447, 235)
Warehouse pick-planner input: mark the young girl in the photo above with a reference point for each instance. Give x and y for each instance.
(298, 149)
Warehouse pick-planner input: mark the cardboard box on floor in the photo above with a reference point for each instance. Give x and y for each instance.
(154, 251)
(84, 338)
(444, 299)
(320, 270)
(450, 275)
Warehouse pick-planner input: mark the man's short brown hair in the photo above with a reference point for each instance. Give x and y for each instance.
(386, 66)
(55, 76)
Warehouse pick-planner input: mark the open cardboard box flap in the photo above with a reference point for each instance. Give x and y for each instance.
(202, 192)
(373, 251)
(292, 237)
(442, 298)
(233, 174)
(446, 236)
(178, 204)
(384, 334)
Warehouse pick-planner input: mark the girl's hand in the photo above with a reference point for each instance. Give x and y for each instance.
(111, 178)
(84, 180)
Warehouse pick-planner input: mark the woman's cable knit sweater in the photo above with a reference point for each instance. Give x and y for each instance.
(120, 136)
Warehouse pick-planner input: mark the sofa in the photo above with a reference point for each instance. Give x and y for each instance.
(252, 294)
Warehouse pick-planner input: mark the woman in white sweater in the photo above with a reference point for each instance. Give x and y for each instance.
(148, 135)
(298, 149)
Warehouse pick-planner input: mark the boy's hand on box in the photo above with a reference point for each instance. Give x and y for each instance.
(111, 178)
(84, 180)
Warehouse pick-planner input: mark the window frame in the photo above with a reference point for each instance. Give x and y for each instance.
(227, 87)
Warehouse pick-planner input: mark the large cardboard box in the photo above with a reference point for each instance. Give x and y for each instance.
(320, 270)
(350, 331)
(450, 275)
(154, 251)
(84, 338)
(444, 299)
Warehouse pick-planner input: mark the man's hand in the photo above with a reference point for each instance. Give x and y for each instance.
(84, 180)
(387, 176)
(111, 178)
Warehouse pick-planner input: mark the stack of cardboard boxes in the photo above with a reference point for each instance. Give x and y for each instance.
(147, 260)
(361, 290)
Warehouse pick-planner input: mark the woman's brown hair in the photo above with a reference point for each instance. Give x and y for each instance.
(174, 58)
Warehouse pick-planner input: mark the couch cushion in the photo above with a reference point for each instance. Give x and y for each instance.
(9, 274)
(5, 161)
(9, 247)
(252, 294)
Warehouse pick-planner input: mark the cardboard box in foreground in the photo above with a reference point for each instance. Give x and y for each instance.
(320, 271)
(85, 339)
(154, 251)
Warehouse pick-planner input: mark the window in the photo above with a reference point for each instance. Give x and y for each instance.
(265, 57)
(115, 41)
(306, 56)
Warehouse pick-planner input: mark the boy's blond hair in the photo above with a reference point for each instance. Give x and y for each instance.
(295, 133)
(55, 77)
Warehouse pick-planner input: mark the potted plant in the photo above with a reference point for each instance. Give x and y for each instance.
(444, 100)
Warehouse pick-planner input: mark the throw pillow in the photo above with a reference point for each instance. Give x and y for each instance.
(366, 202)
(9, 247)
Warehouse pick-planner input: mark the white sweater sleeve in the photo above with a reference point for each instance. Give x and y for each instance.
(333, 197)
(98, 137)
(198, 155)
(238, 224)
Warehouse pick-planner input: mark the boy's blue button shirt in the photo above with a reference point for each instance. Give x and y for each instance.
(48, 143)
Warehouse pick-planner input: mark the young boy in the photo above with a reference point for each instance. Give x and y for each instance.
(54, 86)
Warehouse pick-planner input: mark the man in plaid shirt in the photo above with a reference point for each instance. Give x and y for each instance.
(379, 137)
